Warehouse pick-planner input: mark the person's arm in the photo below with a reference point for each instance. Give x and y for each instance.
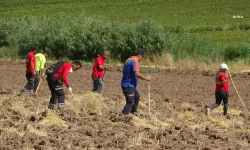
(101, 67)
(224, 79)
(42, 68)
(32, 66)
(139, 75)
(65, 76)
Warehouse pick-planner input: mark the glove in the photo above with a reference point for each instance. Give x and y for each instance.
(70, 89)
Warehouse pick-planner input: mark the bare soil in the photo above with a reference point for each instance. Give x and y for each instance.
(178, 119)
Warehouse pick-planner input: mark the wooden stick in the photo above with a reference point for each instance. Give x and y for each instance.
(38, 85)
(238, 94)
(149, 97)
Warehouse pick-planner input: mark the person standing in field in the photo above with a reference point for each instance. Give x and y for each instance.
(131, 75)
(98, 72)
(40, 62)
(57, 74)
(221, 90)
(30, 70)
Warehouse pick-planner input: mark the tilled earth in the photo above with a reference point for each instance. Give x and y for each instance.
(178, 120)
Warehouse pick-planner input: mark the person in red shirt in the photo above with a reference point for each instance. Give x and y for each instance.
(56, 80)
(221, 90)
(30, 70)
(99, 69)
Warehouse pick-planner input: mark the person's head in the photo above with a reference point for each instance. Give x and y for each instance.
(46, 54)
(76, 65)
(105, 54)
(139, 53)
(223, 67)
(35, 49)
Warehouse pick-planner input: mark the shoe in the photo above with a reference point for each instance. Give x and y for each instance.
(208, 111)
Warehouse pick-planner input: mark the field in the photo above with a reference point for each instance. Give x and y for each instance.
(210, 21)
(91, 121)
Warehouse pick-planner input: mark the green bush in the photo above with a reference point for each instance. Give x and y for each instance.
(232, 53)
(84, 38)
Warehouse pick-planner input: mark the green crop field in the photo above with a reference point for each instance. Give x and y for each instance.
(182, 22)
(183, 13)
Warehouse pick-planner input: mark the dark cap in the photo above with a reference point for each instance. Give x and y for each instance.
(139, 52)
(35, 48)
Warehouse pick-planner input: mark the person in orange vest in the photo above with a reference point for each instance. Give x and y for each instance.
(131, 76)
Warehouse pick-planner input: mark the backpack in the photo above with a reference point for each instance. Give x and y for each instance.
(54, 68)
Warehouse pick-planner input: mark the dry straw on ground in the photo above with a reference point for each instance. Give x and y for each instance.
(90, 102)
(53, 119)
(36, 131)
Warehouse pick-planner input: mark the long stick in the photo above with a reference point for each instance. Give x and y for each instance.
(38, 85)
(103, 74)
(238, 94)
(149, 97)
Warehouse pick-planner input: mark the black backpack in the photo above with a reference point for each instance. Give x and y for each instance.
(54, 68)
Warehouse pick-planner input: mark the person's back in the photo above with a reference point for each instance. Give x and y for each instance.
(40, 61)
(30, 59)
(61, 71)
(30, 71)
(129, 82)
(97, 72)
(130, 67)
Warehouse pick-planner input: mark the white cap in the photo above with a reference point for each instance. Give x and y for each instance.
(224, 66)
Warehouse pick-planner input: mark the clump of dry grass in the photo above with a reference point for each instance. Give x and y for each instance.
(231, 111)
(167, 60)
(53, 120)
(90, 102)
(187, 116)
(36, 131)
(221, 122)
(239, 66)
(14, 130)
(136, 140)
(152, 123)
(187, 105)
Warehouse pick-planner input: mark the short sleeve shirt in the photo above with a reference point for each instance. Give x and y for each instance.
(40, 61)
(30, 59)
(130, 67)
(97, 72)
(224, 86)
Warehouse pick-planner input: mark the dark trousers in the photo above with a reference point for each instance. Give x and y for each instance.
(98, 85)
(29, 87)
(132, 100)
(37, 80)
(57, 93)
(219, 97)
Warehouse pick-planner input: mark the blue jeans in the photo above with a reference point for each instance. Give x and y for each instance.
(98, 85)
(132, 100)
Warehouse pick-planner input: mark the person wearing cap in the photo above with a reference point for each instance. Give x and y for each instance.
(40, 62)
(30, 70)
(99, 69)
(221, 90)
(131, 75)
(56, 80)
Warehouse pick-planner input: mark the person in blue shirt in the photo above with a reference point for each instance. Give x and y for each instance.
(131, 76)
